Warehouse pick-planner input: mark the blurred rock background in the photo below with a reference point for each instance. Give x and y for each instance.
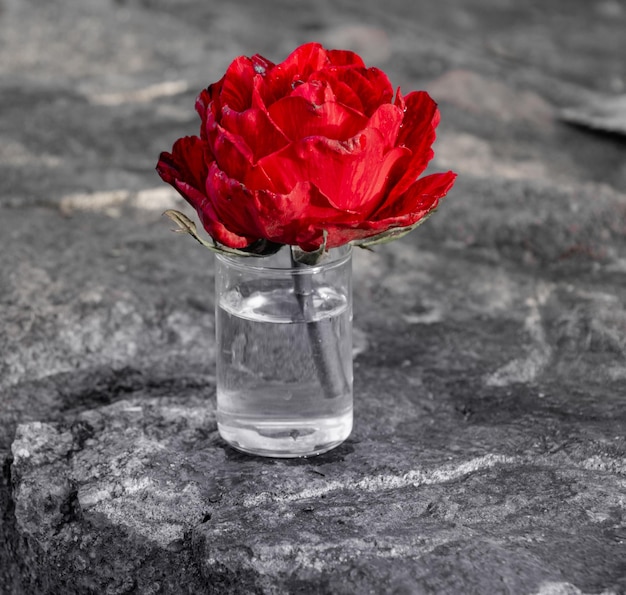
(489, 449)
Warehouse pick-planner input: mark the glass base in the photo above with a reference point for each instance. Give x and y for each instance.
(289, 438)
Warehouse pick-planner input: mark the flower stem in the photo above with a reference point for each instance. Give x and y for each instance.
(324, 348)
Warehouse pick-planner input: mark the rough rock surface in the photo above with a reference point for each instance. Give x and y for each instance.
(489, 450)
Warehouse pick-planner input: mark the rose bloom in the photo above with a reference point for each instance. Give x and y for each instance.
(314, 149)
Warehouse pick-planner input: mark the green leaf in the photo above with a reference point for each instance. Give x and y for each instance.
(186, 225)
(390, 235)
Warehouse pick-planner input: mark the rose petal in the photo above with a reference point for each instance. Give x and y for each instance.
(351, 173)
(186, 170)
(371, 85)
(345, 58)
(187, 163)
(399, 100)
(261, 65)
(284, 218)
(217, 230)
(421, 117)
(413, 206)
(387, 119)
(237, 84)
(256, 129)
(231, 152)
(298, 118)
(305, 59)
(287, 217)
(417, 132)
(230, 203)
(207, 115)
(280, 79)
(420, 198)
(342, 92)
(301, 64)
(208, 105)
(314, 91)
(338, 235)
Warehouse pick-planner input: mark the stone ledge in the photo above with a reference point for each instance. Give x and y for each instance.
(143, 496)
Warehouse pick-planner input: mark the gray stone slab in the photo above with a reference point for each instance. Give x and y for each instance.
(142, 494)
(489, 448)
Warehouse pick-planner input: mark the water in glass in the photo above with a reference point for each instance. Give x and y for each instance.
(284, 369)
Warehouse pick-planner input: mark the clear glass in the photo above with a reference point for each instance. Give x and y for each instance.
(284, 353)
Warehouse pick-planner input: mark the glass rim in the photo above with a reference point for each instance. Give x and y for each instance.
(249, 263)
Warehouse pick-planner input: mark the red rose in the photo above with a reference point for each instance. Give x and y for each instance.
(313, 149)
